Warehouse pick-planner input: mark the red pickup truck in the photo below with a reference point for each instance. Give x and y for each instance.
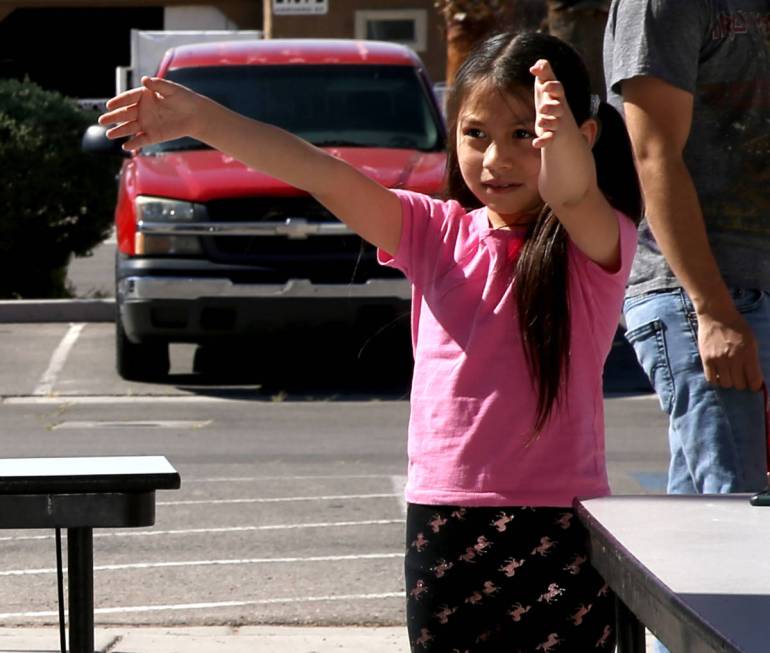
(209, 249)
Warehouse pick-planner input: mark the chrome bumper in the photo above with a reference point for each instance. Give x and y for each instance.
(292, 228)
(191, 288)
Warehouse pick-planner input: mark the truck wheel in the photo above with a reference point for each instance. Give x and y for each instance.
(140, 362)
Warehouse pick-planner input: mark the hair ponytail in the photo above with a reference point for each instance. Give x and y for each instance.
(615, 170)
(543, 310)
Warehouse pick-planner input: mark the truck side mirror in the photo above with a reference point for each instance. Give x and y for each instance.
(96, 142)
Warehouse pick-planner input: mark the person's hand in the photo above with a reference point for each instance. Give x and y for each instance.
(729, 351)
(551, 109)
(159, 110)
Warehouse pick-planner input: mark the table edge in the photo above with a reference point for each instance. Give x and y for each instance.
(645, 581)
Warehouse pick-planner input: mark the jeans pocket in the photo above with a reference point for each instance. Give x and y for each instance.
(649, 343)
(748, 300)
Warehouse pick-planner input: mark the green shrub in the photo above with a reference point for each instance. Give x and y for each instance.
(55, 200)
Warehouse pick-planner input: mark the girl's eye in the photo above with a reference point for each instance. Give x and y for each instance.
(473, 132)
(523, 134)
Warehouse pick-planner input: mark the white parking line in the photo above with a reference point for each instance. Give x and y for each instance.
(330, 497)
(227, 529)
(179, 424)
(306, 477)
(97, 400)
(56, 364)
(215, 604)
(210, 563)
(162, 399)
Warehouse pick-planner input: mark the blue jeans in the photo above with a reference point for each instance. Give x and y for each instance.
(716, 435)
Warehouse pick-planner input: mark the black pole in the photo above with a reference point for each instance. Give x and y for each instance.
(60, 592)
(80, 575)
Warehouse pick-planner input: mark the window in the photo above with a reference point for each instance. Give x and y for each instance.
(341, 105)
(405, 26)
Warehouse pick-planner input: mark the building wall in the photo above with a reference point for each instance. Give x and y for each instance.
(76, 46)
(339, 22)
(31, 29)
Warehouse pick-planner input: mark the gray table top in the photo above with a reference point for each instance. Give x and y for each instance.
(705, 558)
(87, 474)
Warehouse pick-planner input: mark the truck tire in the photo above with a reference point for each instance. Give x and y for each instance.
(140, 362)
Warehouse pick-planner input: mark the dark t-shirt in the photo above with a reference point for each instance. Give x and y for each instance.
(718, 50)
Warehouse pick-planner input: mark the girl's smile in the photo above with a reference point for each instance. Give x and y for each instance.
(499, 187)
(496, 156)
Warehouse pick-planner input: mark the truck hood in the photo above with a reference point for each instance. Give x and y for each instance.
(202, 175)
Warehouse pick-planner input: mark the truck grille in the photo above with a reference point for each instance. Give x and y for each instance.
(322, 259)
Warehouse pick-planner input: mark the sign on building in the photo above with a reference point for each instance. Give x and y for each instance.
(300, 7)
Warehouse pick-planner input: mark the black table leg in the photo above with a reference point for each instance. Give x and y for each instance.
(80, 577)
(630, 630)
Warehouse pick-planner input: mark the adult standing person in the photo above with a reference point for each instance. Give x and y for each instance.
(693, 79)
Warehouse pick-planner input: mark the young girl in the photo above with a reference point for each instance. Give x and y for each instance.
(517, 281)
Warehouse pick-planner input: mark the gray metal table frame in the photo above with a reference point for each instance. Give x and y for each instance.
(81, 494)
(694, 569)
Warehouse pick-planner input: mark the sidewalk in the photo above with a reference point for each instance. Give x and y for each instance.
(221, 639)
(217, 639)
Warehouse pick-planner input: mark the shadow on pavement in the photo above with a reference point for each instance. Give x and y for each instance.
(334, 367)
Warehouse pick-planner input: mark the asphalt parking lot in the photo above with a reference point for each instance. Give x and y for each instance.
(290, 510)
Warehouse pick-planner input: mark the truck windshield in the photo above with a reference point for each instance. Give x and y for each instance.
(342, 105)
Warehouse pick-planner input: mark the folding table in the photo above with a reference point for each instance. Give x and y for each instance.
(81, 494)
(694, 569)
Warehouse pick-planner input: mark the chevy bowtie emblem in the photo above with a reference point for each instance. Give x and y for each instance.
(296, 228)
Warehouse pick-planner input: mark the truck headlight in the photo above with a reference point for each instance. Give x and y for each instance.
(159, 209)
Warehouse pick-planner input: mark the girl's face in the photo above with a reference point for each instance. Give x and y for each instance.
(495, 130)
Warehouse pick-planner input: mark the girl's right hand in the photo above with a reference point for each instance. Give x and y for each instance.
(159, 110)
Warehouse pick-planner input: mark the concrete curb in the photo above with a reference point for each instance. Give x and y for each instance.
(217, 639)
(57, 310)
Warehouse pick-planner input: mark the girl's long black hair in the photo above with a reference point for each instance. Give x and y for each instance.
(541, 269)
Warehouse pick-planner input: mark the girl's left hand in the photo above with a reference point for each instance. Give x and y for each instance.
(550, 103)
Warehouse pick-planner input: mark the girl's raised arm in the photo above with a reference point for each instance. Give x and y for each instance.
(161, 110)
(567, 180)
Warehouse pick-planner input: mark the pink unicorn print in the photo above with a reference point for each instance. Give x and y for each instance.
(444, 613)
(577, 618)
(418, 590)
(474, 598)
(442, 566)
(469, 555)
(500, 522)
(437, 522)
(420, 543)
(510, 566)
(602, 641)
(490, 588)
(564, 520)
(482, 544)
(518, 611)
(424, 638)
(603, 590)
(549, 644)
(546, 544)
(574, 566)
(551, 594)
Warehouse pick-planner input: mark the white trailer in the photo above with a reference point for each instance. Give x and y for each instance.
(149, 46)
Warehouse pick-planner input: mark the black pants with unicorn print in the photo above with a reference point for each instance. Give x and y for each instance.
(503, 580)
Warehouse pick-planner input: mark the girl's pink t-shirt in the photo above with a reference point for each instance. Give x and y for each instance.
(472, 401)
